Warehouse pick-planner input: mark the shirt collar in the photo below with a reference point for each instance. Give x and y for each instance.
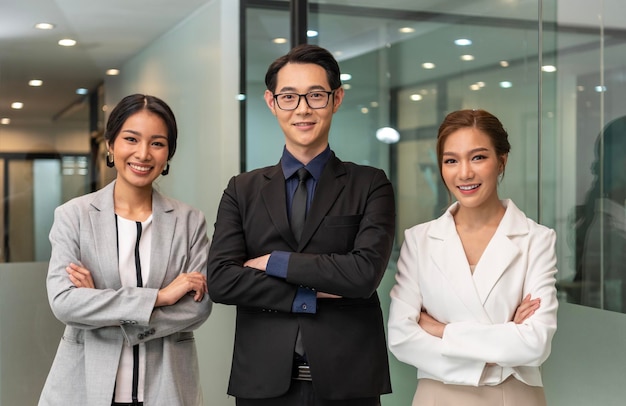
(290, 164)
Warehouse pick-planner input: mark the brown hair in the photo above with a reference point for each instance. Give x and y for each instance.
(481, 120)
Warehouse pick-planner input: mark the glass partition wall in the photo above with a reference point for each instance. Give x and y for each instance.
(553, 72)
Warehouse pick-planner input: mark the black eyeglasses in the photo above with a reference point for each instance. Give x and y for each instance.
(317, 99)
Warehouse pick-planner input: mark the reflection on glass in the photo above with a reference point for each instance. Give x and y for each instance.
(601, 226)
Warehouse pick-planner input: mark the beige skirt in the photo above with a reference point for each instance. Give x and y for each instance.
(511, 392)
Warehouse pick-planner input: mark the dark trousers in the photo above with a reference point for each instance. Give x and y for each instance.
(301, 393)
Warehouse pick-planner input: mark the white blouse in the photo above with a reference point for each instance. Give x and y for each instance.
(127, 238)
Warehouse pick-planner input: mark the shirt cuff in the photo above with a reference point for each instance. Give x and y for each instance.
(277, 264)
(305, 301)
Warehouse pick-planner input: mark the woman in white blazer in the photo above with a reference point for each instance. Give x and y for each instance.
(474, 305)
(127, 276)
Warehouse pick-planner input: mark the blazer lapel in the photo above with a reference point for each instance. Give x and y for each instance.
(501, 251)
(104, 231)
(448, 255)
(329, 187)
(275, 200)
(164, 220)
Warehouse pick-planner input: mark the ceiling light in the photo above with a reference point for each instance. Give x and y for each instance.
(474, 87)
(504, 64)
(347, 86)
(463, 42)
(113, 72)
(312, 33)
(580, 88)
(506, 84)
(387, 135)
(416, 97)
(5, 121)
(82, 91)
(365, 110)
(17, 105)
(345, 76)
(374, 104)
(467, 57)
(600, 89)
(241, 97)
(44, 26)
(66, 42)
(428, 65)
(548, 68)
(35, 82)
(279, 40)
(407, 30)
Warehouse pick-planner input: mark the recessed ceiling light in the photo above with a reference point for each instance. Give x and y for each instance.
(345, 76)
(407, 30)
(17, 105)
(66, 42)
(365, 110)
(5, 121)
(44, 26)
(416, 97)
(374, 104)
(82, 91)
(387, 135)
(347, 86)
(548, 68)
(504, 64)
(312, 33)
(279, 40)
(600, 89)
(580, 88)
(467, 57)
(474, 87)
(506, 84)
(463, 42)
(428, 65)
(35, 82)
(113, 72)
(241, 97)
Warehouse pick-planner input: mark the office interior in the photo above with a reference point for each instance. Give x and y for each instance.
(553, 71)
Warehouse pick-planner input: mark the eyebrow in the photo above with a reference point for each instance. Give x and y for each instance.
(139, 134)
(473, 151)
(291, 89)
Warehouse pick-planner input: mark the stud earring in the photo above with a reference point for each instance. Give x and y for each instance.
(110, 159)
(166, 170)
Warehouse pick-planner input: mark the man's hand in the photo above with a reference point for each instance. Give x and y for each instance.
(259, 263)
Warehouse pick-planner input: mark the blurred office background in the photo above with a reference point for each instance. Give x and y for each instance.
(554, 72)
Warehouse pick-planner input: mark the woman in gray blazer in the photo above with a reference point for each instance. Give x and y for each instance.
(127, 276)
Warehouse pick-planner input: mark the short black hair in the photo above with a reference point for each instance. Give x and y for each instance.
(306, 53)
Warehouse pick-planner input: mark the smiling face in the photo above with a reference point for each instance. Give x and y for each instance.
(470, 167)
(140, 150)
(306, 130)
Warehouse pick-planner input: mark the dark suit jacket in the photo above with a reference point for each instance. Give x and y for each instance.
(344, 250)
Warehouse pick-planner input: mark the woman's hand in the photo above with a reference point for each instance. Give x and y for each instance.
(431, 325)
(79, 276)
(526, 309)
(190, 282)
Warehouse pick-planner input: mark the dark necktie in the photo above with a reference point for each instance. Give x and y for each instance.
(298, 204)
(298, 216)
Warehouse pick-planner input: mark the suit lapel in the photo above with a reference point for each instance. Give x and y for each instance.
(448, 255)
(275, 200)
(329, 187)
(501, 251)
(164, 220)
(104, 231)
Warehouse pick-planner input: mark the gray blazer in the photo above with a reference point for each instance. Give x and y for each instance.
(100, 321)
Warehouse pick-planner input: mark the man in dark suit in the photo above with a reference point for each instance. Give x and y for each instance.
(309, 324)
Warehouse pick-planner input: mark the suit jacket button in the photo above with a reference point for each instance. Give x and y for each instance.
(140, 336)
(303, 306)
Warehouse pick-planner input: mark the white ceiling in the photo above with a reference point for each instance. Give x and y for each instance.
(108, 33)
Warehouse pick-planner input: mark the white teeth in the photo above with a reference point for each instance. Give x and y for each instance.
(140, 168)
(468, 187)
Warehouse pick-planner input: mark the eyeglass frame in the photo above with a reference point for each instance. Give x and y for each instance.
(300, 96)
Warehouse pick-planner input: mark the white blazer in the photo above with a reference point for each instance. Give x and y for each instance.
(434, 275)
